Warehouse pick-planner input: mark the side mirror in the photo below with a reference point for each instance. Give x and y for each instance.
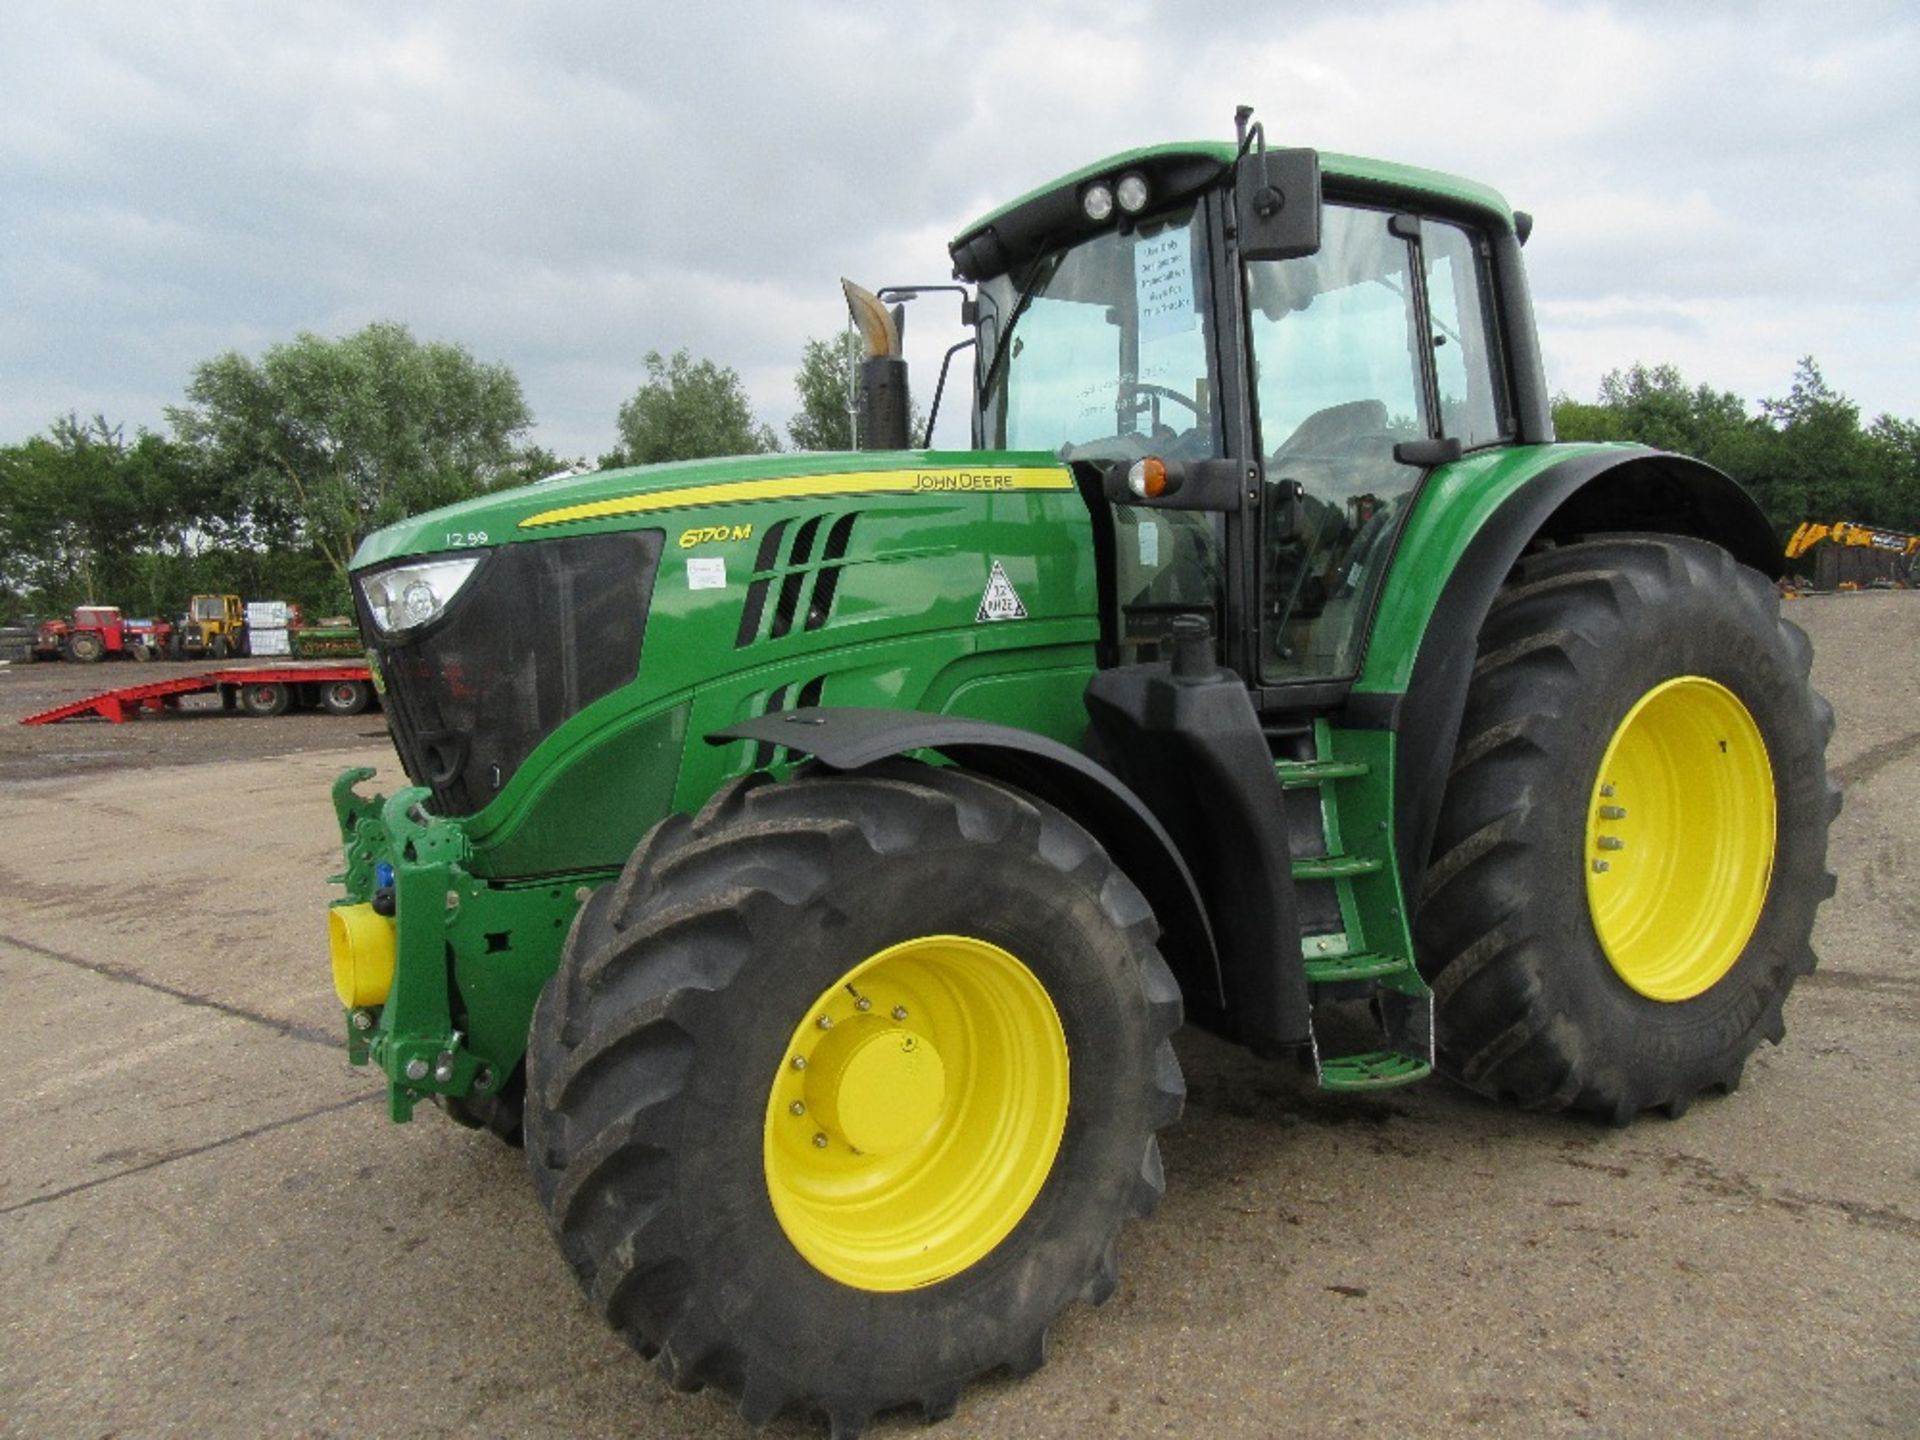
(1277, 204)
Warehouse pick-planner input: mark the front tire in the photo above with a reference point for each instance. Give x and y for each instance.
(1632, 845)
(955, 1159)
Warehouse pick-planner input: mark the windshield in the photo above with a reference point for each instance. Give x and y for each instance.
(1102, 351)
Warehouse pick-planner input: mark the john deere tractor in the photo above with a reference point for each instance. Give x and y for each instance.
(810, 857)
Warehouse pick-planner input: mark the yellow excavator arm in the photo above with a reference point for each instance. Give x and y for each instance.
(1845, 532)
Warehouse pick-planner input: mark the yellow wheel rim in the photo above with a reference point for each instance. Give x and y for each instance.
(916, 1113)
(1680, 838)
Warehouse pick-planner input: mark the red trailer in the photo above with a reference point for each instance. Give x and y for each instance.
(338, 688)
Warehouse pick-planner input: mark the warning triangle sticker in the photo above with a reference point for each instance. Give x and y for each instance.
(1001, 601)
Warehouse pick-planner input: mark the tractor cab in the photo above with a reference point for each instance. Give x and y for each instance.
(214, 625)
(1308, 372)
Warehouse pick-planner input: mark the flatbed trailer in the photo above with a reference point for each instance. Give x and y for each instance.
(337, 687)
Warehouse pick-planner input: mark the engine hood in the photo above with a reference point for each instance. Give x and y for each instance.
(651, 494)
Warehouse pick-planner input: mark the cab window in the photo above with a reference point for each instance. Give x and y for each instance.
(1339, 380)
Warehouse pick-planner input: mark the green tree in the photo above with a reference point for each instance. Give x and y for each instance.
(86, 515)
(829, 372)
(325, 440)
(688, 409)
(1804, 456)
(1893, 448)
(1653, 405)
(826, 377)
(1815, 465)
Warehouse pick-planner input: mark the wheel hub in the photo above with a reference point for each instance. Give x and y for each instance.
(876, 1087)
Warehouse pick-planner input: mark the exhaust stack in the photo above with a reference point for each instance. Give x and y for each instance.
(883, 414)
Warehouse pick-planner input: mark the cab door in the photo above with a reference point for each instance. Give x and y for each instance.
(1379, 339)
(1338, 382)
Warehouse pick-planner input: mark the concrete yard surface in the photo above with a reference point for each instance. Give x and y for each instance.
(208, 1226)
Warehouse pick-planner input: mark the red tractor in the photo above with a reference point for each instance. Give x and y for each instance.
(98, 631)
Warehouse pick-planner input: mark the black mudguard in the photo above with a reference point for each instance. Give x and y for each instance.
(1186, 737)
(849, 738)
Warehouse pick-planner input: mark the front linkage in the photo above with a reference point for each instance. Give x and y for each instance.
(436, 967)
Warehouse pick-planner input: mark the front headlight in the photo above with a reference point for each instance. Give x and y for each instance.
(408, 596)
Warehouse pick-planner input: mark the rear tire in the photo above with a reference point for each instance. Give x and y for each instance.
(659, 1128)
(265, 699)
(1613, 947)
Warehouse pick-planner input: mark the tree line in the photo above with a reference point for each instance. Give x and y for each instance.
(275, 467)
(1805, 456)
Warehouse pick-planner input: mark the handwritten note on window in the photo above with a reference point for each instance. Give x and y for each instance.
(1163, 284)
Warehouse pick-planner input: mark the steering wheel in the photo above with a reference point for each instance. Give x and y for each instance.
(1131, 388)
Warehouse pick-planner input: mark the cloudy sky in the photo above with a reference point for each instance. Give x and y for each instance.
(563, 187)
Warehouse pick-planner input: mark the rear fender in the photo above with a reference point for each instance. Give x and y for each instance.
(1476, 519)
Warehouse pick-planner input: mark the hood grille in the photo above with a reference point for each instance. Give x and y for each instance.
(802, 581)
(538, 633)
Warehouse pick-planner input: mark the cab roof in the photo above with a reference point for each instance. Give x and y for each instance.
(1182, 168)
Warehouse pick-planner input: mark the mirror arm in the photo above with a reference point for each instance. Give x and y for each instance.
(940, 388)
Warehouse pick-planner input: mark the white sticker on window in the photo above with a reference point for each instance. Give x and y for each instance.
(1163, 284)
(1149, 543)
(1001, 601)
(707, 572)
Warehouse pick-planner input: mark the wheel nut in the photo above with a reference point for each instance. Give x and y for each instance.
(1613, 812)
(826, 1022)
(819, 1141)
(798, 1107)
(416, 1069)
(1607, 790)
(799, 1062)
(899, 1012)
(1600, 867)
(1612, 842)
(863, 1003)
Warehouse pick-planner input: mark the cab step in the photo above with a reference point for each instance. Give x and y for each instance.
(1332, 969)
(1299, 774)
(1359, 957)
(1374, 1070)
(1334, 867)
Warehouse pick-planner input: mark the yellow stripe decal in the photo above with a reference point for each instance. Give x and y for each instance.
(987, 481)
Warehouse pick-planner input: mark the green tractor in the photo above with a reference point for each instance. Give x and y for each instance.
(810, 857)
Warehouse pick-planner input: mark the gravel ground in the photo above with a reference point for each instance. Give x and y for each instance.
(208, 1227)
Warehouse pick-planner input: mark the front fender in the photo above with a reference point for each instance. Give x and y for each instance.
(847, 738)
